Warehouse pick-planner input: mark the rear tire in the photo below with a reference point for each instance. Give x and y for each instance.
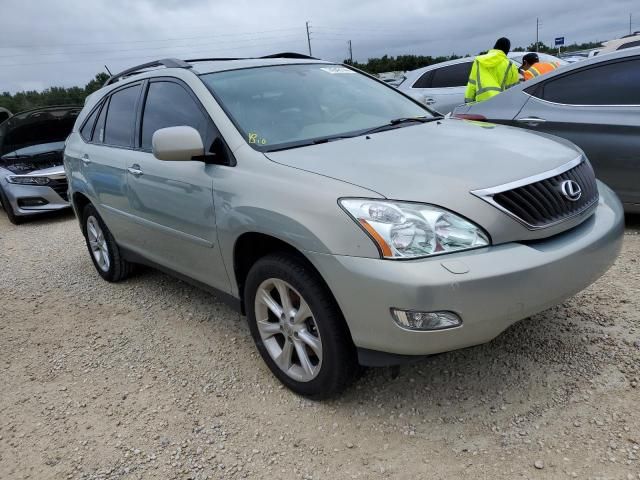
(13, 218)
(103, 249)
(304, 339)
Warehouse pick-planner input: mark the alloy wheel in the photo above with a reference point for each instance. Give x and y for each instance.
(288, 329)
(98, 244)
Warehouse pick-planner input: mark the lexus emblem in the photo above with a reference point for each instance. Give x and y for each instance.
(571, 190)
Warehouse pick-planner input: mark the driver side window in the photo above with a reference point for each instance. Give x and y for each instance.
(170, 105)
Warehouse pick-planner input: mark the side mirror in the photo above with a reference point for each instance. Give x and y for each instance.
(177, 143)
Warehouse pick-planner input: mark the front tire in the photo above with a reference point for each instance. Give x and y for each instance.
(103, 249)
(13, 218)
(298, 328)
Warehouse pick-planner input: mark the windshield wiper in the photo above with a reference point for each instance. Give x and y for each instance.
(399, 121)
(380, 128)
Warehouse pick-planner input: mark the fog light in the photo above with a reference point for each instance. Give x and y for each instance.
(425, 320)
(31, 202)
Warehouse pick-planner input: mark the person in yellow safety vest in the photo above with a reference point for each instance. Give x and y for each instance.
(532, 66)
(491, 73)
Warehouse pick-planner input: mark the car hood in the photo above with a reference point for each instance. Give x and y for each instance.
(439, 162)
(34, 158)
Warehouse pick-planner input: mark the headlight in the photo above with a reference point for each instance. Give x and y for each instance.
(28, 180)
(412, 230)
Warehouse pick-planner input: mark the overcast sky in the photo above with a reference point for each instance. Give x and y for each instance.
(45, 43)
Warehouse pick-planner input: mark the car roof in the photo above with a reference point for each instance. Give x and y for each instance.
(211, 66)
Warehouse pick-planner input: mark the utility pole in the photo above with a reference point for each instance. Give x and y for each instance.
(350, 53)
(630, 16)
(309, 39)
(537, 28)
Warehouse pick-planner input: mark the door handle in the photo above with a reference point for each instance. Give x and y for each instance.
(429, 101)
(533, 121)
(135, 170)
(85, 159)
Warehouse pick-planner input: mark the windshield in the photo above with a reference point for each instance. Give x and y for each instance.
(286, 105)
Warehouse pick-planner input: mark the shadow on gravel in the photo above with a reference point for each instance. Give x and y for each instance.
(537, 363)
(632, 221)
(46, 218)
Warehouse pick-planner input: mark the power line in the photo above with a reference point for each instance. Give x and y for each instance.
(145, 41)
(138, 57)
(92, 52)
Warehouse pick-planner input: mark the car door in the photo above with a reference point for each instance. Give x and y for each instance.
(105, 157)
(172, 201)
(443, 88)
(598, 108)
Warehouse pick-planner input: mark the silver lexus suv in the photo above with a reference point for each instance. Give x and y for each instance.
(348, 222)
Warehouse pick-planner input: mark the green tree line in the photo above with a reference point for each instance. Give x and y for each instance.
(27, 100)
(404, 63)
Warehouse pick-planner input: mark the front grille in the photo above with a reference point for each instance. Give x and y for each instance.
(60, 187)
(543, 203)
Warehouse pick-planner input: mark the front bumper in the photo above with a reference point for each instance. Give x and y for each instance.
(15, 193)
(504, 283)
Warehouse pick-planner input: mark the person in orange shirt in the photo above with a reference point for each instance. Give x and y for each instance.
(532, 66)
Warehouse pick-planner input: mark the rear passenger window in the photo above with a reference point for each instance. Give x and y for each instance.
(120, 122)
(170, 105)
(87, 129)
(609, 84)
(451, 76)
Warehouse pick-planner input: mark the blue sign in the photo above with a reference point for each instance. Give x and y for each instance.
(559, 41)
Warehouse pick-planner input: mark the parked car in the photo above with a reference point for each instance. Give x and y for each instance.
(628, 41)
(32, 177)
(441, 86)
(594, 103)
(4, 114)
(349, 223)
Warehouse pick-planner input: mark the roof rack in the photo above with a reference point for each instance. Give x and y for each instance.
(165, 62)
(290, 55)
(274, 55)
(176, 63)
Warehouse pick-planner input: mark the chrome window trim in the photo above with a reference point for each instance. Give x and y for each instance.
(487, 194)
(581, 104)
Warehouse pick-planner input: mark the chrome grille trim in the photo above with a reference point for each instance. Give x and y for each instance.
(534, 201)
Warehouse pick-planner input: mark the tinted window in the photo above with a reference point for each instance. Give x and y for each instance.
(170, 105)
(98, 131)
(629, 45)
(121, 116)
(424, 81)
(452, 76)
(610, 84)
(87, 129)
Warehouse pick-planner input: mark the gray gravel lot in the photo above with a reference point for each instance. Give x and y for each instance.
(152, 378)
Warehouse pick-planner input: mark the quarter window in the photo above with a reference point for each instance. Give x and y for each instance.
(87, 129)
(98, 131)
(170, 105)
(610, 84)
(451, 76)
(121, 117)
(424, 81)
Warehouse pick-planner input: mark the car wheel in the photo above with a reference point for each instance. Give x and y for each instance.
(13, 218)
(298, 328)
(104, 251)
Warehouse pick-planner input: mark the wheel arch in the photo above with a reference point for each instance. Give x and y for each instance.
(251, 246)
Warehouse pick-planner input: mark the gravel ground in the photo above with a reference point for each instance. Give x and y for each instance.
(152, 378)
